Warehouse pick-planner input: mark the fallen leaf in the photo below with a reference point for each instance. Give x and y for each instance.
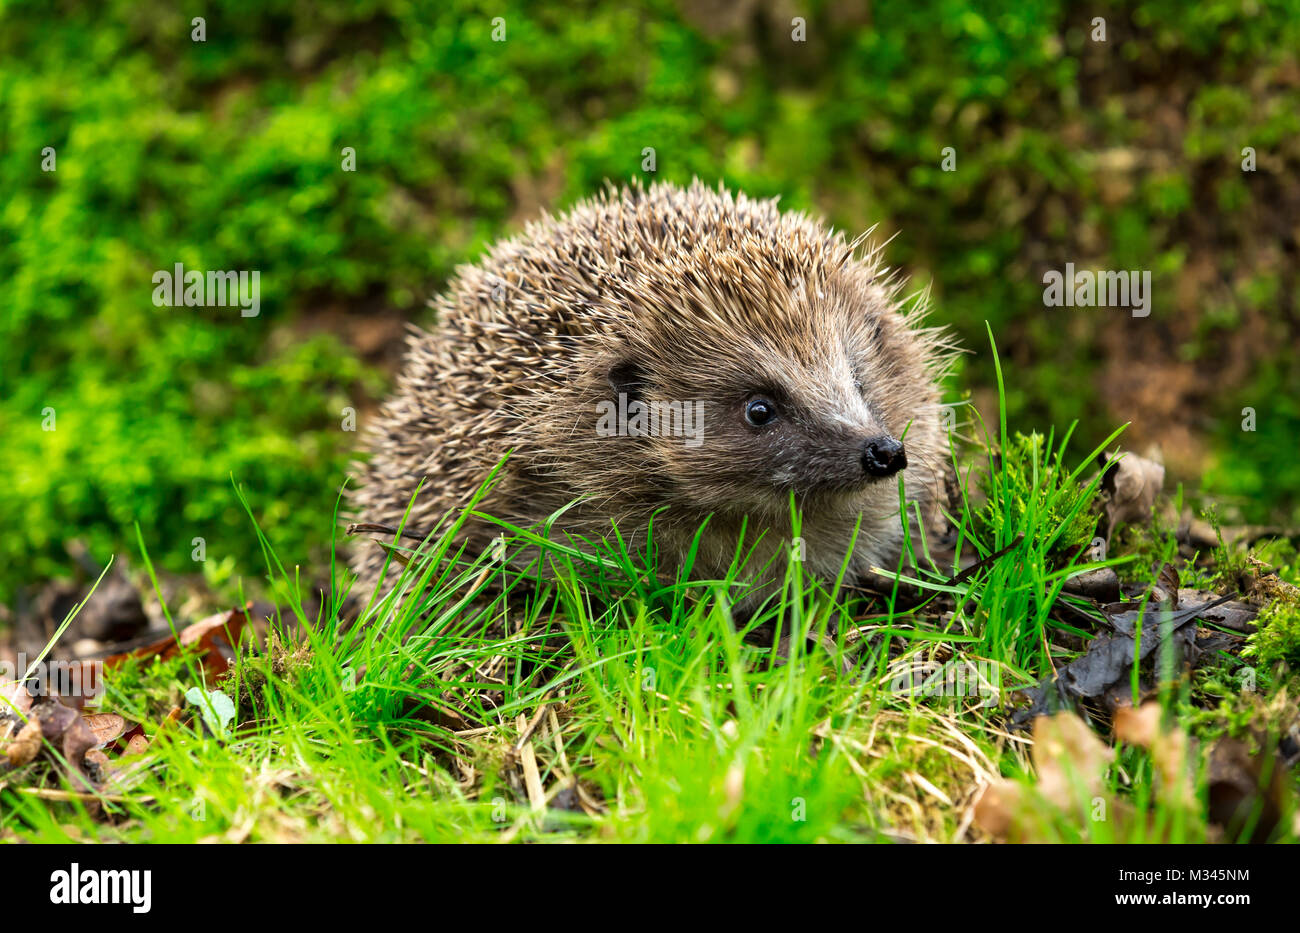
(77, 740)
(26, 745)
(1070, 758)
(1167, 586)
(59, 722)
(1168, 748)
(1132, 484)
(1138, 726)
(1234, 614)
(194, 634)
(218, 635)
(1107, 663)
(106, 727)
(1070, 762)
(999, 807)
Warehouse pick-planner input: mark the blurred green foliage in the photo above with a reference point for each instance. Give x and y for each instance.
(225, 154)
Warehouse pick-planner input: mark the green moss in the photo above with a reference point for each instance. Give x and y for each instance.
(1278, 637)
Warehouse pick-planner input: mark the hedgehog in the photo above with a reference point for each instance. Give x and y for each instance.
(683, 364)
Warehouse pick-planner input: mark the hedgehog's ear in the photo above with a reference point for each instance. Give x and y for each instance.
(628, 378)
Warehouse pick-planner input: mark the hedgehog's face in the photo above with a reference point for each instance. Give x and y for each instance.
(835, 456)
(828, 425)
(769, 439)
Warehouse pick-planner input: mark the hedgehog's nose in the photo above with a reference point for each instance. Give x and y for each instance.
(883, 456)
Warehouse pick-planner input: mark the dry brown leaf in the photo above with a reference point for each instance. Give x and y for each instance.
(1168, 749)
(137, 745)
(25, 745)
(1070, 759)
(1170, 756)
(193, 634)
(218, 635)
(106, 726)
(77, 740)
(998, 809)
(1138, 726)
(1133, 483)
(1071, 762)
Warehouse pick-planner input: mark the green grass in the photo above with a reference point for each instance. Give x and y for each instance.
(478, 701)
(678, 728)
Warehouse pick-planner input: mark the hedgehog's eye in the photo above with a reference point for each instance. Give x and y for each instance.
(760, 411)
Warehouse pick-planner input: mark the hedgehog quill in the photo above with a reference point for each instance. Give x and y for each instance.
(670, 358)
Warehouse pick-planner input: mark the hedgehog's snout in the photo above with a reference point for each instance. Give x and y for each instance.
(883, 456)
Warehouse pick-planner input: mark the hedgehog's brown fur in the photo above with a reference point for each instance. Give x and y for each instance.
(669, 293)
